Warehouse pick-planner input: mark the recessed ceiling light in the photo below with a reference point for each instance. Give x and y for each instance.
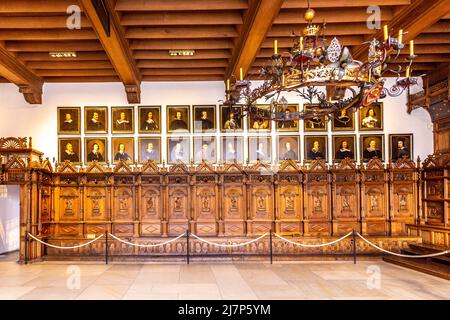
(181, 52)
(63, 54)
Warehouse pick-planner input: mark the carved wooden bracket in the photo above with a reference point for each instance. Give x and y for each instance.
(32, 94)
(133, 93)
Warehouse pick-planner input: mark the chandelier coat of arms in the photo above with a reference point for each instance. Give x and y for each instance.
(324, 75)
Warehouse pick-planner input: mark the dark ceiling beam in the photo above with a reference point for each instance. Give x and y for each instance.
(116, 47)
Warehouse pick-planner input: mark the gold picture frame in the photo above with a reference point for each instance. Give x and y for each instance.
(228, 123)
(147, 152)
(378, 150)
(122, 120)
(342, 148)
(371, 120)
(149, 119)
(127, 154)
(69, 120)
(71, 153)
(95, 120)
(288, 125)
(178, 123)
(202, 115)
(102, 150)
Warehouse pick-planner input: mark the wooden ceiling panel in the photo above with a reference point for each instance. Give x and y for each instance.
(165, 55)
(181, 18)
(181, 32)
(180, 5)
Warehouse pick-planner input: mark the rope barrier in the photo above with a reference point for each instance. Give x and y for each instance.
(229, 245)
(147, 245)
(59, 247)
(404, 255)
(313, 245)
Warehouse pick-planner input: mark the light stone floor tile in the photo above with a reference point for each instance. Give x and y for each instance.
(101, 292)
(51, 293)
(13, 293)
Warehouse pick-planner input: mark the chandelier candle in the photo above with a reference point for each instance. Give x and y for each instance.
(241, 74)
(385, 32)
(411, 48)
(275, 47)
(400, 36)
(301, 44)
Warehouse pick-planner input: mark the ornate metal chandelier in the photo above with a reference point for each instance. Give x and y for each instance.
(312, 65)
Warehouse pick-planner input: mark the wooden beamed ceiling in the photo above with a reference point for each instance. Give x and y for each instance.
(225, 34)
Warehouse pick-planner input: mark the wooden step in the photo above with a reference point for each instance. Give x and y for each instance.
(420, 249)
(422, 265)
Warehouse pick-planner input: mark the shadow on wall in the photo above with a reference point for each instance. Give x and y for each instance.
(9, 218)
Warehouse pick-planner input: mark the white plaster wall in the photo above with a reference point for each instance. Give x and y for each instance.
(18, 118)
(9, 220)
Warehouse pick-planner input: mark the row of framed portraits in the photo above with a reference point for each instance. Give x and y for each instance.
(204, 116)
(232, 148)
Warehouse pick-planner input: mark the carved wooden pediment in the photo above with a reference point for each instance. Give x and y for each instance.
(233, 167)
(122, 167)
(15, 163)
(14, 143)
(436, 161)
(404, 163)
(375, 164)
(46, 165)
(318, 165)
(345, 164)
(150, 167)
(289, 165)
(261, 167)
(95, 167)
(205, 167)
(179, 167)
(67, 167)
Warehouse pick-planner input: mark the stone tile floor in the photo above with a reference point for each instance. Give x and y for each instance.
(217, 280)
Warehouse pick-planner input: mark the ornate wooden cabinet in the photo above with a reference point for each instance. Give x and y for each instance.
(375, 199)
(178, 198)
(346, 197)
(152, 208)
(289, 199)
(317, 210)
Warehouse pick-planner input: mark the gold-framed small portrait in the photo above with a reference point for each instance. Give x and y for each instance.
(232, 149)
(205, 149)
(401, 145)
(178, 119)
(96, 120)
(96, 149)
(288, 148)
(122, 149)
(149, 149)
(69, 150)
(259, 119)
(122, 119)
(289, 122)
(316, 148)
(204, 118)
(260, 148)
(149, 118)
(69, 120)
(315, 123)
(231, 119)
(344, 146)
(178, 150)
(372, 145)
(343, 120)
(371, 117)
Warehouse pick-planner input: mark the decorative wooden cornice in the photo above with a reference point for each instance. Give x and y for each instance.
(345, 164)
(116, 47)
(233, 167)
(205, 167)
(289, 166)
(67, 167)
(179, 167)
(122, 167)
(257, 22)
(150, 167)
(374, 164)
(30, 85)
(318, 165)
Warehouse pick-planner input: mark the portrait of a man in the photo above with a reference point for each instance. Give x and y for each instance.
(232, 149)
(69, 120)
(204, 118)
(229, 120)
(260, 120)
(96, 120)
(315, 123)
(371, 117)
(95, 149)
(150, 150)
(122, 119)
(178, 150)
(178, 118)
(70, 150)
(149, 119)
(259, 148)
(344, 147)
(204, 149)
(288, 148)
(371, 147)
(315, 148)
(123, 149)
(343, 120)
(289, 123)
(400, 146)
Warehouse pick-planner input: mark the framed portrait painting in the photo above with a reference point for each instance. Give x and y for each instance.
(316, 123)
(400, 146)
(343, 120)
(260, 148)
(69, 150)
(289, 123)
(344, 147)
(149, 149)
(230, 119)
(232, 149)
(204, 118)
(149, 119)
(205, 149)
(288, 148)
(372, 145)
(316, 148)
(122, 149)
(371, 117)
(178, 150)
(96, 119)
(69, 120)
(178, 119)
(260, 119)
(96, 149)
(122, 119)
